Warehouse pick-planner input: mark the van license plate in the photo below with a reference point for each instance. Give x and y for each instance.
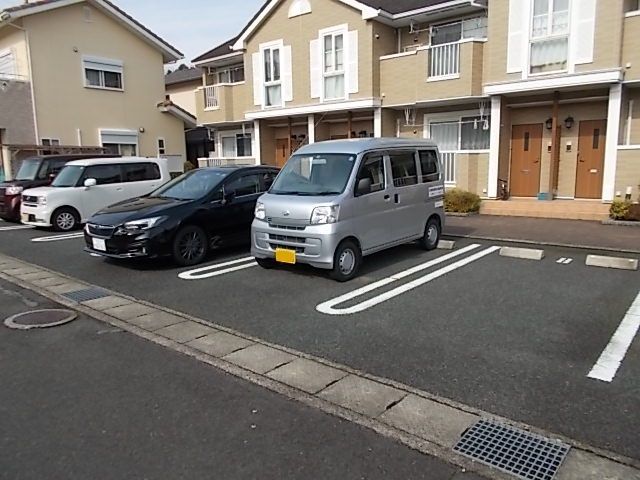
(99, 244)
(284, 255)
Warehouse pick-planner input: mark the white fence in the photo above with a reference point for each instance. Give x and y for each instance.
(211, 97)
(444, 61)
(224, 162)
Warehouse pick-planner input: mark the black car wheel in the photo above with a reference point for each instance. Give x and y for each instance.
(432, 232)
(65, 219)
(190, 246)
(346, 261)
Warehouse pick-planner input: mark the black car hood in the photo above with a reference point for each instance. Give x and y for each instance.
(136, 209)
(24, 183)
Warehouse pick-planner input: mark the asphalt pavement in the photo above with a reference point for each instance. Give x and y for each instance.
(512, 337)
(86, 400)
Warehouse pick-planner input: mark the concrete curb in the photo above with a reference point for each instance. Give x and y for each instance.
(612, 262)
(333, 388)
(621, 223)
(543, 243)
(522, 253)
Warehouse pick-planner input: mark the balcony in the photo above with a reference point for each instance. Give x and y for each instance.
(432, 73)
(226, 162)
(630, 50)
(223, 103)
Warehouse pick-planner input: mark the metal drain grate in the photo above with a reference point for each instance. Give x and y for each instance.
(85, 295)
(518, 452)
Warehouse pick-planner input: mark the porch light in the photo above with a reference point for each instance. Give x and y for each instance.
(568, 122)
(549, 123)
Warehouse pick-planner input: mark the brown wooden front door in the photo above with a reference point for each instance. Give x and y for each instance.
(591, 145)
(526, 150)
(282, 151)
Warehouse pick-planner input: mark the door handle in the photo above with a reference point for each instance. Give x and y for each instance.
(396, 198)
(387, 198)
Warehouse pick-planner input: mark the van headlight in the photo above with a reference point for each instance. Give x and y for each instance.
(143, 224)
(260, 212)
(324, 215)
(13, 190)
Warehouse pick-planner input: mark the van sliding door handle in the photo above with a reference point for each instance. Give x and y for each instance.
(396, 198)
(387, 197)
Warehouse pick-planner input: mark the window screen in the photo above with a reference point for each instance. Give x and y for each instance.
(404, 169)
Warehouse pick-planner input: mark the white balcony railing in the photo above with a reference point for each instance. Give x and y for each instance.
(224, 162)
(449, 163)
(444, 61)
(211, 97)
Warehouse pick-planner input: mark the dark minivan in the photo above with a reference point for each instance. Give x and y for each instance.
(34, 172)
(184, 218)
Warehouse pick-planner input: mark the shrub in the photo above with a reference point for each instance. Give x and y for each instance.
(620, 209)
(188, 166)
(461, 201)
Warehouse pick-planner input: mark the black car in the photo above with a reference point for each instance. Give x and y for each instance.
(184, 218)
(34, 172)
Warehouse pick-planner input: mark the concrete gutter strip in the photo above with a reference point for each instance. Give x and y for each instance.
(422, 421)
(612, 262)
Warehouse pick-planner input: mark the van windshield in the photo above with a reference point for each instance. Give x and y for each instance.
(319, 174)
(29, 169)
(68, 176)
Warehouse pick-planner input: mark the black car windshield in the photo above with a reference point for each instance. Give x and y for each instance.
(192, 185)
(29, 169)
(68, 176)
(319, 174)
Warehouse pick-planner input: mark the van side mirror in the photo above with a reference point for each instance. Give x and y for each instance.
(364, 186)
(90, 182)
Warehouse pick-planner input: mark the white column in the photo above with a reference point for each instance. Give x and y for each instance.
(494, 147)
(6, 163)
(611, 145)
(377, 122)
(256, 142)
(311, 128)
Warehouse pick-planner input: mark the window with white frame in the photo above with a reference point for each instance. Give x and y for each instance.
(549, 36)
(231, 74)
(162, 150)
(50, 141)
(333, 66)
(120, 142)
(236, 145)
(454, 32)
(7, 65)
(272, 78)
(102, 73)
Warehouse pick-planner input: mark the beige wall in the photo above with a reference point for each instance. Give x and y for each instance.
(14, 39)
(299, 31)
(634, 129)
(233, 102)
(568, 160)
(628, 173)
(184, 95)
(64, 104)
(630, 48)
(608, 36)
(404, 78)
(495, 52)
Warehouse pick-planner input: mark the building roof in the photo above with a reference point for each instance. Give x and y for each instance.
(183, 75)
(170, 53)
(401, 6)
(222, 49)
(167, 106)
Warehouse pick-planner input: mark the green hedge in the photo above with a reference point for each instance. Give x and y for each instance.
(460, 201)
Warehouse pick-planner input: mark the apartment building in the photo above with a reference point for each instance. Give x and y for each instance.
(80, 74)
(541, 93)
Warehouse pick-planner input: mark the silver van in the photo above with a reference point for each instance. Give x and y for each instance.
(337, 201)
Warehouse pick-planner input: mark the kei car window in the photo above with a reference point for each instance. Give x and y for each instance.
(404, 168)
(43, 173)
(245, 185)
(267, 180)
(56, 165)
(373, 169)
(140, 172)
(104, 174)
(429, 164)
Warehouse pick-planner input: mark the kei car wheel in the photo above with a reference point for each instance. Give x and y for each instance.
(64, 220)
(432, 232)
(190, 246)
(346, 261)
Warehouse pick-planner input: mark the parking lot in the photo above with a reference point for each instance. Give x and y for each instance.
(513, 337)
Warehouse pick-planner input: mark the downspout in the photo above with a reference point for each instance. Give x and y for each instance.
(33, 94)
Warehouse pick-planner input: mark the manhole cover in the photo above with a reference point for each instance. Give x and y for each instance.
(40, 319)
(521, 453)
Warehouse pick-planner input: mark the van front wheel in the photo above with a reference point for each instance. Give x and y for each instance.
(65, 220)
(346, 261)
(432, 232)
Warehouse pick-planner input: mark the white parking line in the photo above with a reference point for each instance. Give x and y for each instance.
(58, 238)
(564, 261)
(214, 270)
(16, 227)
(328, 307)
(609, 362)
